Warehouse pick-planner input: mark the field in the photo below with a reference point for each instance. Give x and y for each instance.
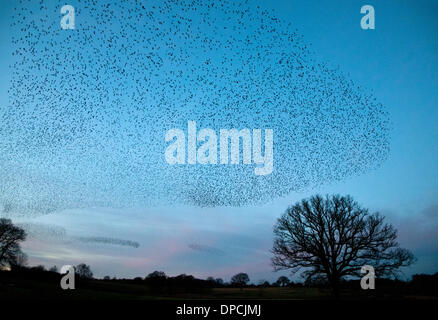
(101, 290)
(46, 286)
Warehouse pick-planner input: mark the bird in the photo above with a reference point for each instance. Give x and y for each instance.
(89, 107)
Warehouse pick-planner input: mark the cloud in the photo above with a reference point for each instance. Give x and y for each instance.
(431, 212)
(203, 248)
(419, 231)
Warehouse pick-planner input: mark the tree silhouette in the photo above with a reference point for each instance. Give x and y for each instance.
(240, 279)
(156, 274)
(19, 262)
(156, 279)
(54, 269)
(334, 237)
(39, 268)
(263, 283)
(10, 238)
(282, 281)
(83, 271)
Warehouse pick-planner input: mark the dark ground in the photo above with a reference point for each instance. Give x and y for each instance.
(42, 285)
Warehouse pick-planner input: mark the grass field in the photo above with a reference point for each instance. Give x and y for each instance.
(216, 293)
(46, 285)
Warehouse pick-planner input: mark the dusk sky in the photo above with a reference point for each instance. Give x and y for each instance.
(397, 63)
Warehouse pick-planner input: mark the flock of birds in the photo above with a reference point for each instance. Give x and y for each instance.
(60, 235)
(89, 108)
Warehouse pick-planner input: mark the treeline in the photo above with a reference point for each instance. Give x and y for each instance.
(159, 282)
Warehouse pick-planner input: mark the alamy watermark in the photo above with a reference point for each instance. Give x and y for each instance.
(68, 20)
(368, 280)
(68, 280)
(368, 20)
(202, 147)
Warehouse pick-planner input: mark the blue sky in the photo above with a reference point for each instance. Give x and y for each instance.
(397, 62)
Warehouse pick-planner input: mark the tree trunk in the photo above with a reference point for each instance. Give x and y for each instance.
(336, 288)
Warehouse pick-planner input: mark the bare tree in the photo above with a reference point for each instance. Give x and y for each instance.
(156, 274)
(156, 279)
(54, 269)
(263, 283)
(84, 271)
(20, 261)
(38, 268)
(282, 281)
(334, 237)
(10, 238)
(240, 279)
